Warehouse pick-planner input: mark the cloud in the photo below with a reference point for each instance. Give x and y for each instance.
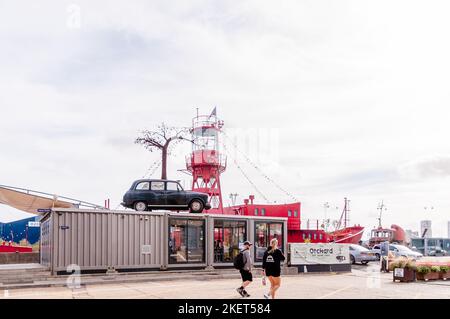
(437, 166)
(354, 90)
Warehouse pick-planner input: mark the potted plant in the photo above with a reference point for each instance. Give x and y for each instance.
(445, 272)
(404, 270)
(426, 272)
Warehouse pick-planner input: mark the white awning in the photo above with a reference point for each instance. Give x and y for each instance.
(29, 202)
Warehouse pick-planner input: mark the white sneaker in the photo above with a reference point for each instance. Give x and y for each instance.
(267, 296)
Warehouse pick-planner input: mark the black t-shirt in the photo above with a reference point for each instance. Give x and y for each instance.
(272, 260)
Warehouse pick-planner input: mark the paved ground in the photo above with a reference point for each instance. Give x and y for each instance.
(363, 282)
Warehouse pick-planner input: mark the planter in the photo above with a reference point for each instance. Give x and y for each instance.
(444, 275)
(428, 276)
(404, 275)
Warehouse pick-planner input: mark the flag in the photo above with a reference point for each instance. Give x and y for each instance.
(214, 112)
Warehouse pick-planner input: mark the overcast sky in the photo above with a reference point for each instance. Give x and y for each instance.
(353, 94)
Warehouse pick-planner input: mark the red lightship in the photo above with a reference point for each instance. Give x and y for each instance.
(206, 163)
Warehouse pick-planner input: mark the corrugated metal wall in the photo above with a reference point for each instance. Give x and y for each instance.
(99, 240)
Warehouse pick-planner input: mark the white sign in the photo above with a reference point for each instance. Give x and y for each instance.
(399, 272)
(319, 254)
(34, 224)
(146, 249)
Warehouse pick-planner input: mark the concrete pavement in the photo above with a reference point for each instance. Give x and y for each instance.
(363, 282)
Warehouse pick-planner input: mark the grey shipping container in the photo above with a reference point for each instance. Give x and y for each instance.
(101, 240)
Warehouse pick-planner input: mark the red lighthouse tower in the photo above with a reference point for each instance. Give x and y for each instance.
(206, 163)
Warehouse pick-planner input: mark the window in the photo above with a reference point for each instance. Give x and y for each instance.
(172, 186)
(432, 242)
(289, 213)
(229, 236)
(256, 211)
(315, 236)
(295, 213)
(205, 138)
(320, 236)
(186, 241)
(263, 212)
(143, 186)
(157, 186)
(304, 236)
(264, 233)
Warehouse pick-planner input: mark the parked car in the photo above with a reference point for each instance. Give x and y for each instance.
(376, 251)
(398, 251)
(438, 251)
(148, 194)
(360, 254)
(403, 251)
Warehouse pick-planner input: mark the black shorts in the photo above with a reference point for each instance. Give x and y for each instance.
(246, 275)
(273, 273)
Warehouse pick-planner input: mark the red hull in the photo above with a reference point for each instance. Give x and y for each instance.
(349, 235)
(8, 248)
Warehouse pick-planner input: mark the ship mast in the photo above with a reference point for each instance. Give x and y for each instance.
(345, 214)
(381, 207)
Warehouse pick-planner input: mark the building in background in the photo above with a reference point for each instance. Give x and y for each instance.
(428, 246)
(425, 229)
(412, 233)
(448, 229)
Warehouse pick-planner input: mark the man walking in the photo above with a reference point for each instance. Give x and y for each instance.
(384, 256)
(246, 269)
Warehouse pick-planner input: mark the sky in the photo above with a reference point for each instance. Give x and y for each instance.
(331, 99)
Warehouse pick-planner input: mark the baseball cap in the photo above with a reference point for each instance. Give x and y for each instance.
(247, 243)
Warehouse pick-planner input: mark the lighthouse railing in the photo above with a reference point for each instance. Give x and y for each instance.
(205, 120)
(206, 158)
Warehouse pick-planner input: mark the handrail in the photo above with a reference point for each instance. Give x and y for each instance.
(54, 196)
(217, 159)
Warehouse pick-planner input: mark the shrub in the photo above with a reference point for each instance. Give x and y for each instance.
(445, 268)
(423, 269)
(394, 264)
(403, 263)
(409, 264)
(435, 268)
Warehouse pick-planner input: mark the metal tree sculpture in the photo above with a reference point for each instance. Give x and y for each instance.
(160, 139)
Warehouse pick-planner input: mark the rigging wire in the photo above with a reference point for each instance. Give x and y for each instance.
(246, 176)
(151, 170)
(157, 164)
(270, 180)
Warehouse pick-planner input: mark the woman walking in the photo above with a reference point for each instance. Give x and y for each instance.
(272, 267)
